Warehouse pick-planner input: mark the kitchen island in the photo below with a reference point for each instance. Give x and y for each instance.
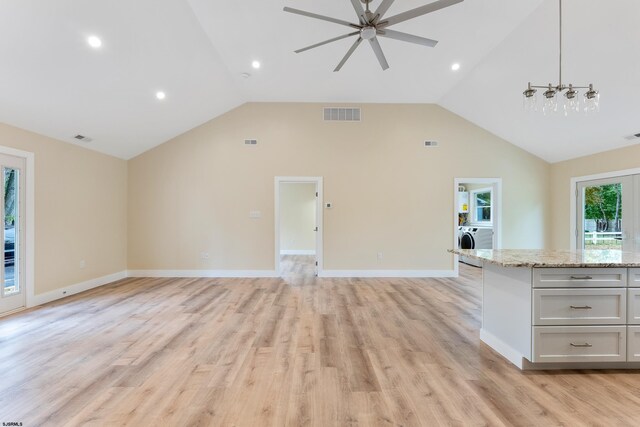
(546, 309)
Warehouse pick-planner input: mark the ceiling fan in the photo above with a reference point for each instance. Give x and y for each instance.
(373, 24)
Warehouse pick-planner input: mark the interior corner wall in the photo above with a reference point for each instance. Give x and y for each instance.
(560, 191)
(297, 218)
(390, 193)
(80, 210)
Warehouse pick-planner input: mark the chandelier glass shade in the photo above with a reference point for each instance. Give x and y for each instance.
(561, 98)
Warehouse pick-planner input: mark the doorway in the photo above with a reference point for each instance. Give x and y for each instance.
(477, 215)
(12, 211)
(298, 202)
(608, 213)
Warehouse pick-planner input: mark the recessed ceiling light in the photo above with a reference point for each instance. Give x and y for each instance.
(255, 64)
(455, 67)
(161, 95)
(94, 42)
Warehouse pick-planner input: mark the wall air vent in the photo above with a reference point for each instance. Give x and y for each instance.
(342, 114)
(632, 137)
(83, 138)
(431, 143)
(250, 142)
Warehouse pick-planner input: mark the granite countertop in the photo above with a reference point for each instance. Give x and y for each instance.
(552, 258)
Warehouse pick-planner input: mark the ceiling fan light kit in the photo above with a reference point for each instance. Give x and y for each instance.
(571, 100)
(372, 25)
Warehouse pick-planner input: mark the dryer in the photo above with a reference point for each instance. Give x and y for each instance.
(475, 238)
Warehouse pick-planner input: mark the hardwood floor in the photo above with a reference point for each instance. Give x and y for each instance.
(285, 352)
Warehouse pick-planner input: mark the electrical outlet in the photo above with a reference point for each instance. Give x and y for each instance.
(83, 264)
(380, 256)
(204, 255)
(64, 292)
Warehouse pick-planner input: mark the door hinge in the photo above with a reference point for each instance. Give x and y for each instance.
(316, 263)
(316, 194)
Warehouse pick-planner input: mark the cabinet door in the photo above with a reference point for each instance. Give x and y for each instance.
(579, 277)
(579, 344)
(580, 306)
(633, 306)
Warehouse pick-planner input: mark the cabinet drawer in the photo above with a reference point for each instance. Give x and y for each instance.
(634, 277)
(633, 306)
(579, 344)
(580, 306)
(579, 277)
(633, 344)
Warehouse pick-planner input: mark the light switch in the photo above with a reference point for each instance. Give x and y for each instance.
(255, 214)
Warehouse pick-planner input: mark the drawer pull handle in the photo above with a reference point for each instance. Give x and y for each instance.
(581, 277)
(580, 307)
(585, 345)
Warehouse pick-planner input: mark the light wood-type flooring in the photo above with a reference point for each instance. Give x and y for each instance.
(292, 351)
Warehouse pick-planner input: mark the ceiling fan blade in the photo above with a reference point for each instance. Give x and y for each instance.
(397, 35)
(357, 6)
(419, 11)
(382, 9)
(349, 53)
(322, 17)
(344, 36)
(379, 54)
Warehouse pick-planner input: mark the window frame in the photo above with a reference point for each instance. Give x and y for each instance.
(473, 206)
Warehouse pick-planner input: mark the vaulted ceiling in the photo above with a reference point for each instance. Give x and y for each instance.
(52, 82)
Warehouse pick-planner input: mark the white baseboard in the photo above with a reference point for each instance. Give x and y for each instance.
(204, 273)
(77, 288)
(297, 252)
(388, 273)
(508, 352)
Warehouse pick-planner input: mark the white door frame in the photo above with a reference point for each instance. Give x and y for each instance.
(317, 180)
(29, 221)
(573, 194)
(496, 212)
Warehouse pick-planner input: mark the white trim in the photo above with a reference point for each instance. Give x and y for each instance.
(390, 273)
(29, 266)
(297, 252)
(77, 288)
(473, 206)
(573, 185)
(319, 216)
(204, 273)
(499, 346)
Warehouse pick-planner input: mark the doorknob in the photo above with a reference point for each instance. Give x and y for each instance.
(315, 229)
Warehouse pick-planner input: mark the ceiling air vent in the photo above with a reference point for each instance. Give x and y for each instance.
(342, 115)
(250, 142)
(83, 138)
(632, 137)
(431, 143)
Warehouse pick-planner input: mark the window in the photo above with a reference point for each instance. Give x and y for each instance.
(481, 201)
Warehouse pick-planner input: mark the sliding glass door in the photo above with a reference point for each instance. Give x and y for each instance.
(607, 213)
(12, 292)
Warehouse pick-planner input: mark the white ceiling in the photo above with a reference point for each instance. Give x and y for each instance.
(53, 83)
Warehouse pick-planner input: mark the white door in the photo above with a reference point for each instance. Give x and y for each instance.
(605, 211)
(12, 290)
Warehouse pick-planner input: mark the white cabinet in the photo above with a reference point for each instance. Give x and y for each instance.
(633, 306)
(579, 277)
(562, 317)
(579, 344)
(579, 306)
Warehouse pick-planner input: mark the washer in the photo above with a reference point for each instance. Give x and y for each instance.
(475, 238)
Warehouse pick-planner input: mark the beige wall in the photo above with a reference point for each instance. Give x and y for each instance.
(80, 210)
(297, 217)
(390, 194)
(561, 174)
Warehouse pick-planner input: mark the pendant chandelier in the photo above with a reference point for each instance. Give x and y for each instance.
(568, 94)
